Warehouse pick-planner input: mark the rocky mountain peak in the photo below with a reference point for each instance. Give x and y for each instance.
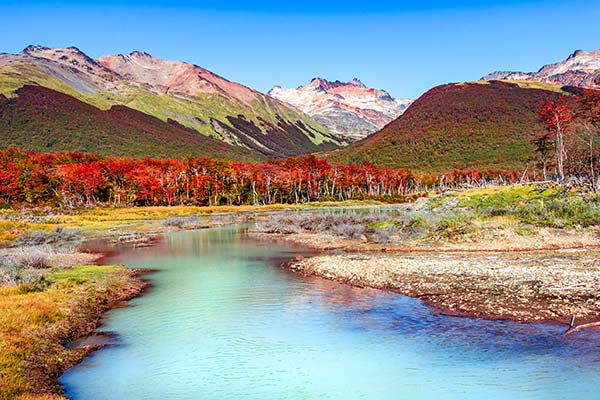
(580, 68)
(66, 56)
(33, 49)
(349, 109)
(575, 54)
(356, 82)
(140, 54)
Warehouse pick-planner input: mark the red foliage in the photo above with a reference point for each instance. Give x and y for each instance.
(76, 179)
(558, 115)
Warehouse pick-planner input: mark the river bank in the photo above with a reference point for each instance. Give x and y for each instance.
(523, 253)
(529, 287)
(38, 321)
(467, 264)
(51, 295)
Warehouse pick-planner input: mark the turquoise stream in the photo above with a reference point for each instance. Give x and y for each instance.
(224, 321)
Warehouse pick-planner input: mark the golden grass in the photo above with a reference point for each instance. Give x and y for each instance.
(32, 318)
(538, 85)
(103, 220)
(521, 83)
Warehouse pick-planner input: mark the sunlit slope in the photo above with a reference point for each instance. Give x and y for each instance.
(194, 97)
(42, 119)
(483, 125)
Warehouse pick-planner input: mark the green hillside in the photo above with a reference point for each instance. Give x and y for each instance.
(42, 119)
(459, 126)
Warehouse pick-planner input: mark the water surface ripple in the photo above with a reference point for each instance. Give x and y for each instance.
(224, 322)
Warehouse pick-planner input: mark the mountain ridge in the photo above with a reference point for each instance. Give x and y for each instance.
(348, 108)
(170, 90)
(580, 69)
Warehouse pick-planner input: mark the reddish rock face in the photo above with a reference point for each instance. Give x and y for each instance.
(580, 69)
(347, 108)
(165, 76)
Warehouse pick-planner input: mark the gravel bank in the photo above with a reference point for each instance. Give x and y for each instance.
(531, 286)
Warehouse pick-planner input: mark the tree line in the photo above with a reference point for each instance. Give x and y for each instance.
(568, 151)
(86, 180)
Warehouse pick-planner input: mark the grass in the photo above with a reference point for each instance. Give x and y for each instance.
(539, 85)
(521, 208)
(102, 221)
(504, 196)
(536, 205)
(12, 230)
(14, 76)
(36, 320)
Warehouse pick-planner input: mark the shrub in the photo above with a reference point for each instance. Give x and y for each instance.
(58, 235)
(276, 226)
(455, 225)
(419, 222)
(349, 231)
(352, 226)
(36, 257)
(384, 235)
(25, 264)
(181, 222)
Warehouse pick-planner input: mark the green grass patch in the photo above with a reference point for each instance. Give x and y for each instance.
(83, 274)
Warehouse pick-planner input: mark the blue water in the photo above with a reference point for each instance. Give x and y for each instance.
(223, 321)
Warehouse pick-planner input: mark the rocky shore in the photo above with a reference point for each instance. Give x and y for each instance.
(528, 286)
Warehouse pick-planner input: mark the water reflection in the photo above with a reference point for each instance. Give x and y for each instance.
(223, 321)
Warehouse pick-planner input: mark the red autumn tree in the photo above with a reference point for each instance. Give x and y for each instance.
(558, 116)
(589, 113)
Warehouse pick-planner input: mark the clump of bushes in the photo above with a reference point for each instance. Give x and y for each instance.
(384, 234)
(563, 212)
(455, 225)
(280, 226)
(375, 227)
(58, 235)
(226, 219)
(541, 206)
(348, 231)
(25, 264)
(351, 226)
(181, 222)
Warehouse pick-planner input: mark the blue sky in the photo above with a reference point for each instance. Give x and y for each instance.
(403, 47)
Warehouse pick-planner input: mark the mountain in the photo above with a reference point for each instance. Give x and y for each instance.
(171, 91)
(481, 125)
(580, 69)
(348, 109)
(42, 119)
